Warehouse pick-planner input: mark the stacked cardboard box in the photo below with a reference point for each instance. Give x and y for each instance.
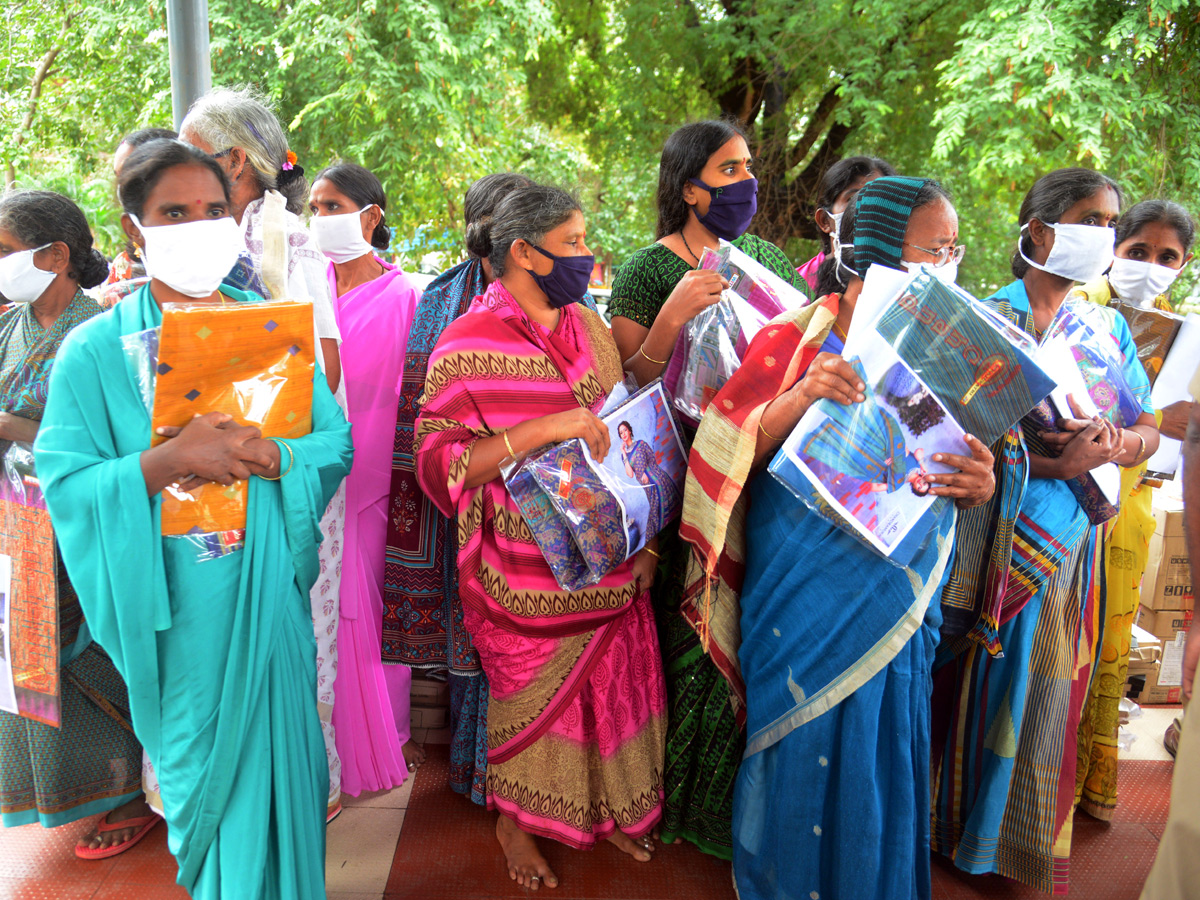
(1168, 599)
(1167, 584)
(430, 700)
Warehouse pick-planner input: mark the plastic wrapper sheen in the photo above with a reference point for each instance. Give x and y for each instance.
(936, 364)
(252, 361)
(711, 347)
(588, 517)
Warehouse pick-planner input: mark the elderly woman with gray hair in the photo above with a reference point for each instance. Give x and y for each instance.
(267, 191)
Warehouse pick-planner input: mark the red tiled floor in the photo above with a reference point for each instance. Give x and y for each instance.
(448, 851)
(1109, 861)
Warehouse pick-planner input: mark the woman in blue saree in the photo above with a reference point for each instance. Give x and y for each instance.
(216, 643)
(836, 644)
(1024, 605)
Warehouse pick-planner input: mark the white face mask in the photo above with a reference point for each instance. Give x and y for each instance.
(1080, 252)
(1140, 282)
(20, 280)
(191, 257)
(947, 273)
(834, 240)
(340, 237)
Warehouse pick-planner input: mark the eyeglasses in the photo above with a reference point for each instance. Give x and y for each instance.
(229, 150)
(942, 255)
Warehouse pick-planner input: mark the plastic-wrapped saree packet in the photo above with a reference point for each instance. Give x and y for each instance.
(253, 361)
(936, 364)
(589, 516)
(1154, 331)
(1079, 350)
(29, 622)
(711, 347)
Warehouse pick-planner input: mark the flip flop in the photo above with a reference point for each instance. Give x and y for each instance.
(143, 824)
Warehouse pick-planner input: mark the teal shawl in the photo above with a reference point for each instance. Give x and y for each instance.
(219, 655)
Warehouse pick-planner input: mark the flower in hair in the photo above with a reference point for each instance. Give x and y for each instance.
(289, 162)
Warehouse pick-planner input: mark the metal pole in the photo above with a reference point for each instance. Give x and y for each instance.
(191, 64)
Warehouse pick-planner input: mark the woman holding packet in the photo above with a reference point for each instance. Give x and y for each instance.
(706, 194)
(849, 719)
(1009, 688)
(577, 706)
(236, 741)
(1153, 243)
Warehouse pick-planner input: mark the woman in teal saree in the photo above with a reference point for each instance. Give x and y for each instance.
(217, 647)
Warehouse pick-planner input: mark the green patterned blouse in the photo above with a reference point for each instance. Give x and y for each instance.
(645, 282)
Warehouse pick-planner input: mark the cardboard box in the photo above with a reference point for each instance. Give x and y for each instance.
(1168, 514)
(1167, 583)
(429, 716)
(429, 692)
(1164, 623)
(1145, 647)
(1155, 692)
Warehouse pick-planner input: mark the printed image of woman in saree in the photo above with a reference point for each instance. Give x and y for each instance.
(867, 442)
(642, 466)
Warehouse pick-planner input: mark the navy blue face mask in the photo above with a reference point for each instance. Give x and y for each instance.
(568, 279)
(731, 208)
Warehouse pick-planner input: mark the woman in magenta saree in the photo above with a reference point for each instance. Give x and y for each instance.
(576, 712)
(374, 303)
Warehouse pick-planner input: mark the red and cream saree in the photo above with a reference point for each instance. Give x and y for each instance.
(576, 719)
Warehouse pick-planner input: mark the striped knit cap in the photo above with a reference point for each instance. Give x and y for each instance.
(881, 218)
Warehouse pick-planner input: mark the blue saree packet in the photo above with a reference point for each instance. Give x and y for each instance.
(937, 364)
(588, 517)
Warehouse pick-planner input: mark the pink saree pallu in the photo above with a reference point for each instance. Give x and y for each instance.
(576, 715)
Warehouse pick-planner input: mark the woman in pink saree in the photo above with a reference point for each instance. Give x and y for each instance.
(374, 303)
(576, 714)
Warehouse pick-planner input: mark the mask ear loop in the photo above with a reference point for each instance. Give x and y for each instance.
(1021, 249)
(837, 271)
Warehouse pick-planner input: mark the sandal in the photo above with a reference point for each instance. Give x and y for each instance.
(142, 824)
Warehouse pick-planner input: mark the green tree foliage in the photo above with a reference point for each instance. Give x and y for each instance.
(430, 94)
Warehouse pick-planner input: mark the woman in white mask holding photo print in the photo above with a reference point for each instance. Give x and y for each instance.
(1010, 681)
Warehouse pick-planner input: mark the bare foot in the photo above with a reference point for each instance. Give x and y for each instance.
(526, 865)
(641, 849)
(414, 754)
(134, 809)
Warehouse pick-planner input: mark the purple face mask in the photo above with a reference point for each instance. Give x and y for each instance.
(731, 208)
(568, 278)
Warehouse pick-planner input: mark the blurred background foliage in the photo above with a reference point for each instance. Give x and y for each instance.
(430, 94)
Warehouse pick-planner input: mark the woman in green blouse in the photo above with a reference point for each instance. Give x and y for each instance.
(705, 193)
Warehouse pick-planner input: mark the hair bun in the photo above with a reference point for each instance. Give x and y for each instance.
(381, 237)
(94, 269)
(479, 238)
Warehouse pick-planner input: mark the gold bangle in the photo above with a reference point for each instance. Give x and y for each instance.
(652, 552)
(657, 362)
(766, 433)
(512, 453)
(1141, 449)
(291, 460)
